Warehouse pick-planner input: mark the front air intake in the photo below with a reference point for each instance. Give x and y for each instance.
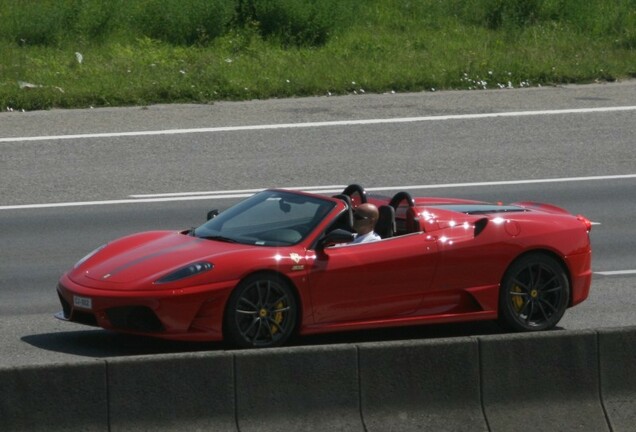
(66, 307)
(134, 318)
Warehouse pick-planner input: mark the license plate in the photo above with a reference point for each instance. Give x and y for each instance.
(83, 302)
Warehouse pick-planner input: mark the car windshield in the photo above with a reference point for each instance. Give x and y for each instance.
(269, 218)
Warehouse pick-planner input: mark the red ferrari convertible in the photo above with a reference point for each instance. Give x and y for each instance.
(279, 264)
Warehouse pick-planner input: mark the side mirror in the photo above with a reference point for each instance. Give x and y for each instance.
(212, 214)
(334, 237)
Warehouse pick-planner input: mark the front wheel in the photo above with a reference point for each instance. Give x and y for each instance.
(534, 294)
(260, 313)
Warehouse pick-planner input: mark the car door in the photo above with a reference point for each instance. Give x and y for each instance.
(368, 281)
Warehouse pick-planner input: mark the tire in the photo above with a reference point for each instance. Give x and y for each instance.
(534, 294)
(261, 312)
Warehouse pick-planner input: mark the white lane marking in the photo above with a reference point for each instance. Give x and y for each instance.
(238, 191)
(190, 196)
(121, 201)
(616, 272)
(320, 124)
(338, 188)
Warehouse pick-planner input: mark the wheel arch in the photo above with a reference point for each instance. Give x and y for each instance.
(284, 277)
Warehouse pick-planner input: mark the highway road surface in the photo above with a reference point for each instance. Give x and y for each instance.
(72, 180)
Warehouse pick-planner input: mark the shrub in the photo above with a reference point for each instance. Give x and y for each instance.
(294, 22)
(96, 21)
(182, 22)
(496, 14)
(35, 22)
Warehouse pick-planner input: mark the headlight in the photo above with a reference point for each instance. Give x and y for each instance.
(83, 260)
(191, 270)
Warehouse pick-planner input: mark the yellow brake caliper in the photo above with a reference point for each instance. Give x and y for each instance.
(278, 317)
(517, 301)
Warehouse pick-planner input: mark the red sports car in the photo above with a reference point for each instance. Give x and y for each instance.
(279, 263)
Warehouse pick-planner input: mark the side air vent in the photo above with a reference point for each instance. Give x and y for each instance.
(480, 225)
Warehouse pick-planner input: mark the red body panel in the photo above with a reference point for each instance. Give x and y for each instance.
(449, 269)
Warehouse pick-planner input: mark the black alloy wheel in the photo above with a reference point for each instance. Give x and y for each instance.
(534, 294)
(261, 313)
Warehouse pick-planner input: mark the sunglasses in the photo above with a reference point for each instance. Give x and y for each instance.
(357, 216)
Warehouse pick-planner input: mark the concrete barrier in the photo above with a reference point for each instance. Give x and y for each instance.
(556, 381)
(421, 385)
(542, 382)
(193, 392)
(298, 389)
(618, 377)
(57, 397)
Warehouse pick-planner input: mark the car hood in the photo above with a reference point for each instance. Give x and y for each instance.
(148, 257)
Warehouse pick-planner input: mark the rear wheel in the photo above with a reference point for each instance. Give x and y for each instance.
(534, 294)
(261, 312)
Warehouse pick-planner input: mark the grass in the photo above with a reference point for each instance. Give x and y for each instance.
(140, 52)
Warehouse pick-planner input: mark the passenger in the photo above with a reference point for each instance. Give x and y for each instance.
(365, 216)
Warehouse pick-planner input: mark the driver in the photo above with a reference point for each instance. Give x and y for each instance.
(365, 216)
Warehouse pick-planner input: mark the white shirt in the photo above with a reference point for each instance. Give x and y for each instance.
(366, 238)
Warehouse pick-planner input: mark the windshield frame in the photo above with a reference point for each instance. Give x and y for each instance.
(295, 225)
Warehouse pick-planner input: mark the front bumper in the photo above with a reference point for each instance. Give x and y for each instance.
(194, 313)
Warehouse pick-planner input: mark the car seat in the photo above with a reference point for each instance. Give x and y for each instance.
(385, 227)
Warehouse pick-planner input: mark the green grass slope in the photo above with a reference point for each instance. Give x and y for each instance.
(80, 53)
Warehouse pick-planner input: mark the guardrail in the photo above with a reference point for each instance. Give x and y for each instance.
(556, 381)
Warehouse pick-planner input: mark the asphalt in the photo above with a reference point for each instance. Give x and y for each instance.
(37, 245)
